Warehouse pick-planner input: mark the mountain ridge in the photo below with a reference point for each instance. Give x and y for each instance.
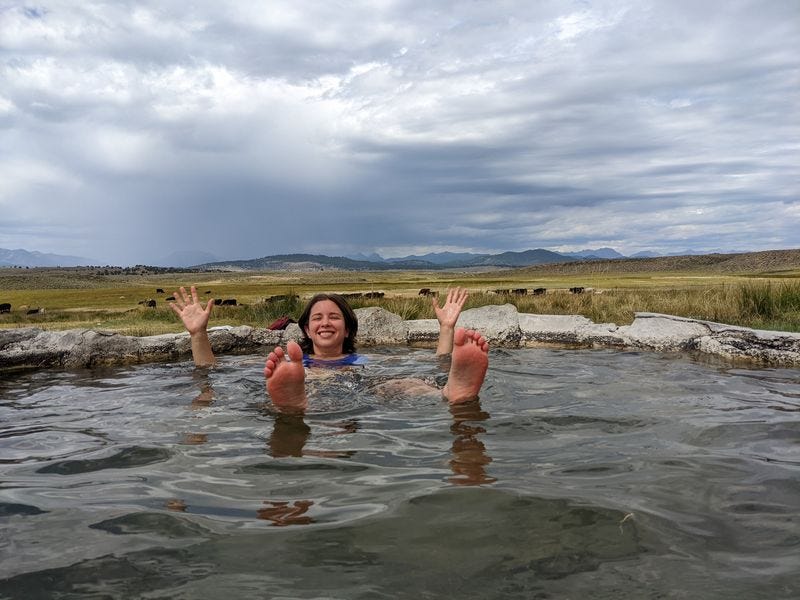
(540, 259)
(33, 258)
(305, 262)
(315, 262)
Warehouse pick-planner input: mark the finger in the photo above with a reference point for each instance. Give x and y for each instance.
(184, 295)
(209, 305)
(194, 295)
(178, 300)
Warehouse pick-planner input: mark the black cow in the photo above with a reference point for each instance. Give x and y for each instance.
(208, 291)
(33, 311)
(576, 290)
(159, 291)
(352, 295)
(150, 303)
(229, 302)
(502, 291)
(217, 301)
(539, 291)
(5, 307)
(170, 299)
(283, 298)
(374, 295)
(520, 292)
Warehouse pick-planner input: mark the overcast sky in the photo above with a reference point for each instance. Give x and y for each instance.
(133, 129)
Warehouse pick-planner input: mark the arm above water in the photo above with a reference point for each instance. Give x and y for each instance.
(447, 316)
(195, 318)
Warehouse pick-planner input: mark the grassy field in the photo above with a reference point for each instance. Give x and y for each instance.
(758, 295)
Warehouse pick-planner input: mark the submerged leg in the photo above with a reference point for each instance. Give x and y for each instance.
(286, 379)
(406, 388)
(468, 366)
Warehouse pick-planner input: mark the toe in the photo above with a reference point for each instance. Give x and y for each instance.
(295, 353)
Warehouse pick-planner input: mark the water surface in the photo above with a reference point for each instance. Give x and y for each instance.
(579, 474)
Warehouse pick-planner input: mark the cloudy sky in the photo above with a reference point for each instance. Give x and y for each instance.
(133, 129)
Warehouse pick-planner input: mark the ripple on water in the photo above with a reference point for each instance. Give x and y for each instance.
(153, 524)
(126, 458)
(769, 442)
(21, 444)
(8, 509)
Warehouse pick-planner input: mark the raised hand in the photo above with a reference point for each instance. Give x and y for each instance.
(191, 311)
(448, 314)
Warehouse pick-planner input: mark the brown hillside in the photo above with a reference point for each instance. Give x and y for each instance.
(770, 261)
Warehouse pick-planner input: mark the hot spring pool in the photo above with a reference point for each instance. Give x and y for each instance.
(581, 474)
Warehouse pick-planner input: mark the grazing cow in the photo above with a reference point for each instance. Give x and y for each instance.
(576, 290)
(352, 295)
(159, 291)
(150, 303)
(217, 301)
(539, 291)
(170, 299)
(208, 291)
(502, 291)
(282, 298)
(520, 292)
(374, 295)
(33, 311)
(5, 307)
(424, 292)
(229, 302)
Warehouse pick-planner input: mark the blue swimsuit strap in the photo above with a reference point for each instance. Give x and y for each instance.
(345, 361)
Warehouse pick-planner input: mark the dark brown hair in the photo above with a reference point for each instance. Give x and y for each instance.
(350, 323)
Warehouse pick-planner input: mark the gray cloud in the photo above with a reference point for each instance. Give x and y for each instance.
(131, 130)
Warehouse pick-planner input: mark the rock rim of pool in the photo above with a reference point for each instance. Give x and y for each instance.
(502, 325)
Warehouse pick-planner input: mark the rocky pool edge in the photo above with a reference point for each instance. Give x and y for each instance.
(502, 325)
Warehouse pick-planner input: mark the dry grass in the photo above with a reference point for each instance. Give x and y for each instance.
(82, 298)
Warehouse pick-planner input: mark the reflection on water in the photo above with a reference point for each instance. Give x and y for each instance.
(469, 453)
(289, 435)
(579, 474)
(282, 513)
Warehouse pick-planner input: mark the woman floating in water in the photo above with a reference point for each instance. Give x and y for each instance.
(329, 328)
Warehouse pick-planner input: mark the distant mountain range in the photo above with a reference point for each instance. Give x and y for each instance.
(33, 258)
(25, 258)
(431, 261)
(357, 262)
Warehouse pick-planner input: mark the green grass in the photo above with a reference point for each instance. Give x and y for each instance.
(771, 305)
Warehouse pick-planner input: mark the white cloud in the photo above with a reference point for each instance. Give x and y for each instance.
(402, 125)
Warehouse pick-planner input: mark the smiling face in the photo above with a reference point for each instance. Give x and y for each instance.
(326, 329)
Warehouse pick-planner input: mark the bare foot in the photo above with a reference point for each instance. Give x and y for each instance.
(468, 366)
(286, 379)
